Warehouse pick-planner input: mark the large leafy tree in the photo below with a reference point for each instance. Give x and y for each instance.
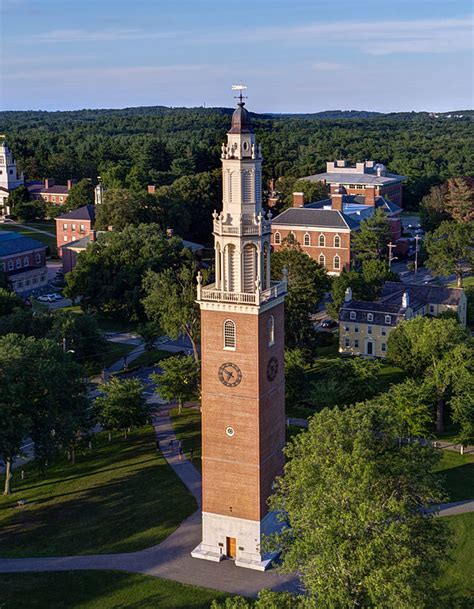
(450, 249)
(411, 403)
(122, 207)
(353, 496)
(122, 406)
(170, 301)
(460, 199)
(8, 301)
(42, 396)
(433, 208)
(109, 274)
(81, 193)
(307, 284)
(179, 379)
(22, 208)
(370, 241)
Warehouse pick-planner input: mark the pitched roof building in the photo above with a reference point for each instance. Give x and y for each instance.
(73, 227)
(24, 261)
(49, 191)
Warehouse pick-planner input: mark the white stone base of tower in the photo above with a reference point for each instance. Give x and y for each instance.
(218, 529)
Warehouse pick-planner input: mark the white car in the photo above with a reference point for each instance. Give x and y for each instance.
(43, 298)
(53, 297)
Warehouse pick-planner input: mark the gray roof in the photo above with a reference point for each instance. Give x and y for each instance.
(382, 202)
(378, 309)
(83, 213)
(306, 216)
(424, 294)
(14, 243)
(355, 178)
(78, 244)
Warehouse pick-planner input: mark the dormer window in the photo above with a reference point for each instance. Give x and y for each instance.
(388, 319)
(229, 335)
(352, 314)
(370, 317)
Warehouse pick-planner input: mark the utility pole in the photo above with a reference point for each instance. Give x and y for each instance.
(390, 257)
(417, 238)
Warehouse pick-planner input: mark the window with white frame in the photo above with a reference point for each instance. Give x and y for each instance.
(347, 342)
(384, 331)
(322, 259)
(337, 241)
(307, 239)
(384, 347)
(38, 258)
(10, 265)
(356, 328)
(370, 317)
(229, 334)
(388, 319)
(53, 199)
(26, 261)
(64, 226)
(322, 241)
(65, 238)
(432, 309)
(337, 263)
(82, 227)
(369, 329)
(353, 315)
(356, 343)
(271, 330)
(18, 263)
(73, 226)
(277, 238)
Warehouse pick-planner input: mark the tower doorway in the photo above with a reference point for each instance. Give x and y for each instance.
(231, 547)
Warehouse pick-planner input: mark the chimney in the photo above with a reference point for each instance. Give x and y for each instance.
(370, 196)
(49, 182)
(341, 163)
(151, 189)
(336, 198)
(348, 294)
(405, 300)
(70, 184)
(169, 232)
(298, 199)
(110, 228)
(92, 236)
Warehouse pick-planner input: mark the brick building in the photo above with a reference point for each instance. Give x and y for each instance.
(367, 179)
(364, 327)
(50, 192)
(74, 226)
(24, 261)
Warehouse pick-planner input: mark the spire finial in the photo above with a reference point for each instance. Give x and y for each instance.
(240, 96)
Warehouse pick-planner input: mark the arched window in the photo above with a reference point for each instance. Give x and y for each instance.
(337, 241)
(277, 238)
(322, 241)
(307, 239)
(322, 259)
(229, 334)
(271, 330)
(337, 263)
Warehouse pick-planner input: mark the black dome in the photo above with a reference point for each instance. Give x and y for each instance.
(241, 120)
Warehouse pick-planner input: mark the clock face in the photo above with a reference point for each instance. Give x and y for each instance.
(230, 375)
(272, 368)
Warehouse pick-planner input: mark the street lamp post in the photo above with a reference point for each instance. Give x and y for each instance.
(390, 257)
(417, 238)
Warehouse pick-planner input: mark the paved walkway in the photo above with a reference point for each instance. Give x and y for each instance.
(36, 230)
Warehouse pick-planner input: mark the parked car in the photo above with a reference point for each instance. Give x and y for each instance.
(329, 323)
(54, 297)
(44, 298)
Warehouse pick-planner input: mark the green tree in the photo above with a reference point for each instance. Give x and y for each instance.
(170, 301)
(411, 403)
(109, 274)
(433, 208)
(351, 496)
(179, 379)
(450, 249)
(123, 406)
(24, 209)
(370, 242)
(462, 398)
(296, 368)
(313, 191)
(4, 281)
(267, 599)
(18, 197)
(122, 207)
(307, 283)
(460, 199)
(8, 301)
(81, 193)
(42, 396)
(149, 332)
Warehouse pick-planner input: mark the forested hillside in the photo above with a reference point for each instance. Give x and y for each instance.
(136, 146)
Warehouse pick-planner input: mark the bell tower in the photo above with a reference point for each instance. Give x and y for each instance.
(9, 177)
(242, 339)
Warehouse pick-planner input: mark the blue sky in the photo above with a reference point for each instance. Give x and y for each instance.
(294, 55)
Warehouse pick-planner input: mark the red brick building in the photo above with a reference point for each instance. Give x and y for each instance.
(74, 226)
(49, 191)
(24, 261)
(367, 179)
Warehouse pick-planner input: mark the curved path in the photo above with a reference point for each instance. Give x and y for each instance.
(171, 559)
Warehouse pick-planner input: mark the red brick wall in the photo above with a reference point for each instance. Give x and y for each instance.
(315, 250)
(69, 232)
(238, 471)
(32, 262)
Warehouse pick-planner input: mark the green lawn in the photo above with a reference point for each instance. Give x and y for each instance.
(119, 497)
(457, 579)
(51, 241)
(458, 474)
(99, 590)
(149, 358)
(116, 351)
(187, 427)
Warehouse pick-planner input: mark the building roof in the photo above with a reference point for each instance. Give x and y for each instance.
(79, 244)
(14, 243)
(320, 218)
(83, 213)
(39, 188)
(241, 120)
(424, 294)
(350, 205)
(370, 179)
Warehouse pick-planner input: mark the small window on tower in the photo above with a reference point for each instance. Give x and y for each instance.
(277, 238)
(271, 330)
(229, 334)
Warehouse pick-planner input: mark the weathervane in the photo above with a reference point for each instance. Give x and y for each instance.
(240, 97)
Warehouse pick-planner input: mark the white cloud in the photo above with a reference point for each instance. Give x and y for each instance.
(108, 35)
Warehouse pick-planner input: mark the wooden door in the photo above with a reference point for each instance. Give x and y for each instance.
(231, 547)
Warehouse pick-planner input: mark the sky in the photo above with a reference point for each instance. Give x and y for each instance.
(293, 55)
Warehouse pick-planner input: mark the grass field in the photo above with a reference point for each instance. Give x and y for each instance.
(457, 579)
(149, 358)
(119, 497)
(187, 427)
(99, 590)
(458, 472)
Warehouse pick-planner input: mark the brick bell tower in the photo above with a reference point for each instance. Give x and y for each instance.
(243, 391)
